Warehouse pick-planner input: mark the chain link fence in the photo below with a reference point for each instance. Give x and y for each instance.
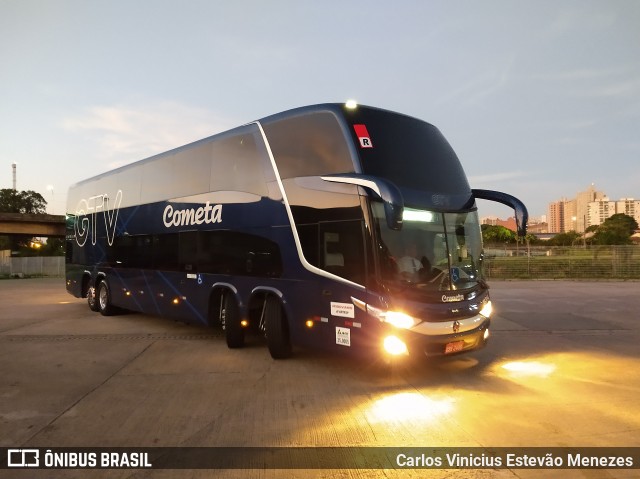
(502, 262)
(575, 262)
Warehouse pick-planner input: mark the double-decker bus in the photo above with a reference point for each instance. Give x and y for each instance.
(343, 226)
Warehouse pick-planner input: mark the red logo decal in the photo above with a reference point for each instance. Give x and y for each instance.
(363, 136)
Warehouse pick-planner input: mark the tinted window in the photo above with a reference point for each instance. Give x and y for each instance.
(342, 249)
(309, 145)
(223, 252)
(234, 161)
(412, 154)
(239, 162)
(337, 247)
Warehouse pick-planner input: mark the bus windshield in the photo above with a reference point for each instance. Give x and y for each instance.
(432, 252)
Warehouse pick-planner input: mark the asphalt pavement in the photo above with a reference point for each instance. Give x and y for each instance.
(562, 369)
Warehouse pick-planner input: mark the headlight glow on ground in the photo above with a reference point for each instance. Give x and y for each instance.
(529, 368)
(411, 406)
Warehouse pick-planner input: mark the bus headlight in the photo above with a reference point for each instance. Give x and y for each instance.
(400, 320)
(395, 346)
(486, 310)
(394, 318)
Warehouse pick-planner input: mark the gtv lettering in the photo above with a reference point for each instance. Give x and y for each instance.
(192, 216)
(85, 224)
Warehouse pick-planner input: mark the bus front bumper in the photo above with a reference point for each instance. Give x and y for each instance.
(438, 338)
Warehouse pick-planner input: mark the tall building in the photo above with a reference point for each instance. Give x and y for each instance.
(555, 216)
(601, 210)
(630, 207)
(604, 208)
(582, 206)
(573, 215)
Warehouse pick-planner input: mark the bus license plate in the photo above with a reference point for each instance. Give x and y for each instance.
(453, 347)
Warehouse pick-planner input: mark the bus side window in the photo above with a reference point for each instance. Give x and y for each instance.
(333, 255)
(343, 250)
(188, 250)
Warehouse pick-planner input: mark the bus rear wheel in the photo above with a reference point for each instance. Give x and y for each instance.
(103, 294)
(277, 332)
(230, 320)
(92, 299)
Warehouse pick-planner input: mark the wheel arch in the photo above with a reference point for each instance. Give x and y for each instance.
(259, 294)
(215, 295)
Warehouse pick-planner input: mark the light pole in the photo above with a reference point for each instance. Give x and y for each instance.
(50, 188)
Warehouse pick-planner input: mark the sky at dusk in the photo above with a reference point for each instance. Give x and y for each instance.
(539, 99)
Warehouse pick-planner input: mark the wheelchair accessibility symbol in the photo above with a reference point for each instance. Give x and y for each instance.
(199, 279)
(455, 274)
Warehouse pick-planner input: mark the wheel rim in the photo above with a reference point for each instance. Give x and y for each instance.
(92, 296)
(103, 297)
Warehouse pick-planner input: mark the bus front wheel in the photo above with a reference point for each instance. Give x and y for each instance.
(276, 329)
(230, 320)
(105, 306)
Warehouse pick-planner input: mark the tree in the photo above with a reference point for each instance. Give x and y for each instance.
(497, 234)
(564, 239)
(54, 247)
(23, 202)
(617, 229)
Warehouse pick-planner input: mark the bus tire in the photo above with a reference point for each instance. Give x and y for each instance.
(276, 329)
(103, 293)
(92, 299)
(230, 320)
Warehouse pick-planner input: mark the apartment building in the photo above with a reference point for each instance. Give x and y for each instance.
(604, 208)
(573, 214)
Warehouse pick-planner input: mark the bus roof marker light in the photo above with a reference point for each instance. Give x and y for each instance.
(351, 104)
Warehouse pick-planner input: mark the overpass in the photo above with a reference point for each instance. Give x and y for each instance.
(32, 224)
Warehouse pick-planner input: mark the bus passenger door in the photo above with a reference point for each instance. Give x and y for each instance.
(342, 253)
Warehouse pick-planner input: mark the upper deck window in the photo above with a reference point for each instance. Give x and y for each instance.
(309, 145)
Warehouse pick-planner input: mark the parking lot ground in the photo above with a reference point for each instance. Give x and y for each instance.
(562, 369)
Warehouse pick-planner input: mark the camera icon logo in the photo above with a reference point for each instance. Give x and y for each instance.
(23, 457)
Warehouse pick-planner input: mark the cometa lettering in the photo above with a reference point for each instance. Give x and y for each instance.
(206, 214)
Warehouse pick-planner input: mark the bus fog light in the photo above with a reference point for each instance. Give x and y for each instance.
(244, 323)
(395, 346)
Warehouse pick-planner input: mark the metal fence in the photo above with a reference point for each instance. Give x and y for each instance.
(579, 262)
(32, 266)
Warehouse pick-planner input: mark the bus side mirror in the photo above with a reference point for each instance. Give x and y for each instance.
(383, 189)
(522, 215)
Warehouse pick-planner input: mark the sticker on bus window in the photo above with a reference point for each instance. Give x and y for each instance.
(363, 136)
(343, 336)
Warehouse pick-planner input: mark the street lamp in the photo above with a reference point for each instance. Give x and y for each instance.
(50, 188)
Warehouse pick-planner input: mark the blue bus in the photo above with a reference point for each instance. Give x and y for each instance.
(343, 226)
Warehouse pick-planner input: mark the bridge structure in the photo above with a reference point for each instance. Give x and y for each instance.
(50, 226)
